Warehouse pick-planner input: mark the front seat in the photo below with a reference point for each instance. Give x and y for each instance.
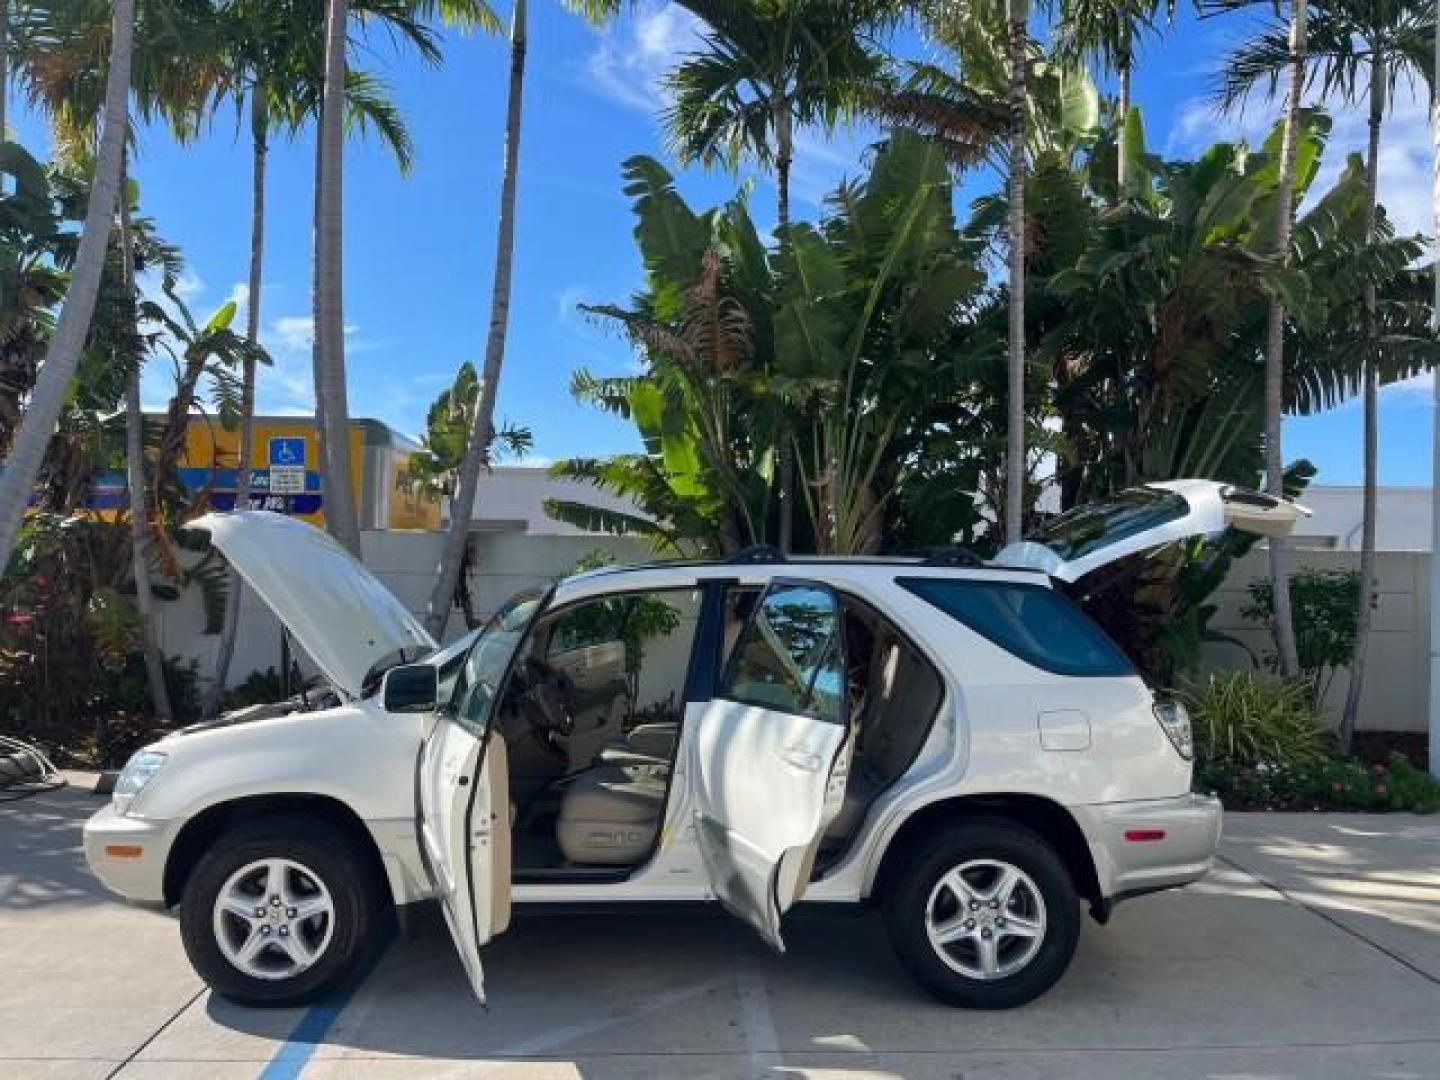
(611, 816)
(644, 744)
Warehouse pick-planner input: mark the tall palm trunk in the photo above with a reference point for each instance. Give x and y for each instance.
(28, 450)
(784, 436)
(1015, 398)
(1124, 72)
(260, 148)
(1350, 718)
(4, 66)
(1275, 352)
(331, 401)
(482, 430)
(135, 477)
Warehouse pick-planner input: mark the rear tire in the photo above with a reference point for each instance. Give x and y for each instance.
(281, 910)
(984, 916)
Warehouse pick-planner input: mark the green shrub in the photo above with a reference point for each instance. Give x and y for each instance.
(1325, 606)
(1244, 722)
(258, 688)
(1328, 783)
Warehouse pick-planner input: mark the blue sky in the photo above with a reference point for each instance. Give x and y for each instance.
(419, 249)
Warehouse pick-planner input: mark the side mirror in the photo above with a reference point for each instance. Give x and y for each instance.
(411, 688)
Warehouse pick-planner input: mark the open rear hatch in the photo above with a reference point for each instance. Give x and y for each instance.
(1143, 518)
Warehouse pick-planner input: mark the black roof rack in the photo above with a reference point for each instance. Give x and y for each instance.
(952, 556)
(759, 553)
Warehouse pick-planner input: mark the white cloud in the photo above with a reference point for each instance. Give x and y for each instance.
(568, 301)
(634, 55)
(189, 286)
(292, 332)
(1405, 148)
(1417, 391)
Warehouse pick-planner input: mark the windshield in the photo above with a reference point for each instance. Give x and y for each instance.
(478, 683)
(1086, 529)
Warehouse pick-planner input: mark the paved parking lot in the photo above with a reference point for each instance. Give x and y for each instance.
(1313, 951)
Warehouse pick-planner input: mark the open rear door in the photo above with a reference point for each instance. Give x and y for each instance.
(1139, 519)
(463, 789)
(770, 754)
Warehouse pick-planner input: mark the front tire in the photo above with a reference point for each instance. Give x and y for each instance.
(281, 910)
(984, 916)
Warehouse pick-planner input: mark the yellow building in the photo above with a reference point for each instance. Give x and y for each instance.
(285, 473)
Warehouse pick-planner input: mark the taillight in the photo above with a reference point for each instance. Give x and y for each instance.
(1175, 720)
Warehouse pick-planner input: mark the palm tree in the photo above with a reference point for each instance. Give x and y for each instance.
(482, 430)
(4, 66)
(332, 409)
(135, 476)
(1108, 31)
(275, 77)
(173, 75)
(28, 451)
(1019, 37)
(1358, 49)
(1233, 91)
(477, 448)
(766, 67)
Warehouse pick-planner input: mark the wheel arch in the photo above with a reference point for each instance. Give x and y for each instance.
(202, 830)
(1046, 818)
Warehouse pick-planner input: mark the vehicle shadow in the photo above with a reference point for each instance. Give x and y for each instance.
(694, 993)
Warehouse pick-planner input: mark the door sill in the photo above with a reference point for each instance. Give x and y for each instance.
(573, 875)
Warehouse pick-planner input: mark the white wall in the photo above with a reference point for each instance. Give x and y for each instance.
(1398, 658)
(406, 562)
(1402, 523)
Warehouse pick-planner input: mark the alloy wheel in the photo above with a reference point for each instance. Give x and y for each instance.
(986, 919)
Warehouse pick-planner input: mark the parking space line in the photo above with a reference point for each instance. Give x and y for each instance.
(290, 1059)
(1399, 958)
(155, 1034)
(552, 1040)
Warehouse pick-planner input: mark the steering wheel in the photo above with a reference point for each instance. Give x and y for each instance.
(544, 701)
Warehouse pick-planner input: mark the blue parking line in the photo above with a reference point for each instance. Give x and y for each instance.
(294, 1054)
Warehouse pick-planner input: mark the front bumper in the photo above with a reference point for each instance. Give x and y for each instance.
(1141, 847)
(128, 854)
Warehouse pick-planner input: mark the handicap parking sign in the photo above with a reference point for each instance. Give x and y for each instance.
(287, 465)
(287, 450)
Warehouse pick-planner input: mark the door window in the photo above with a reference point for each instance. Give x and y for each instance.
(488, 661)
(789, 655)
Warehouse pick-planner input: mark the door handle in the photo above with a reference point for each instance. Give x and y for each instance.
(801, 758)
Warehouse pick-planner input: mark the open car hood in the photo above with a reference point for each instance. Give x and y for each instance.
(336, 610)
(1089, 537)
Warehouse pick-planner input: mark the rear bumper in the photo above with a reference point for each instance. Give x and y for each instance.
(1141, 847)
(128, 855)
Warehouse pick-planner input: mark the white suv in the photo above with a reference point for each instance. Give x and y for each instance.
(952, 740)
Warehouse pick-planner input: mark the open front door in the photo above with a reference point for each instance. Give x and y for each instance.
(1143, 518)
(771, 752)
(465, 827)
(463, 790)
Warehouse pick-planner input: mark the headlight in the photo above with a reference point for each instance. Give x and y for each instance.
(137, 773)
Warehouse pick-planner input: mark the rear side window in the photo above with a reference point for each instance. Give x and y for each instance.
(788, 657)
(1037, 624)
